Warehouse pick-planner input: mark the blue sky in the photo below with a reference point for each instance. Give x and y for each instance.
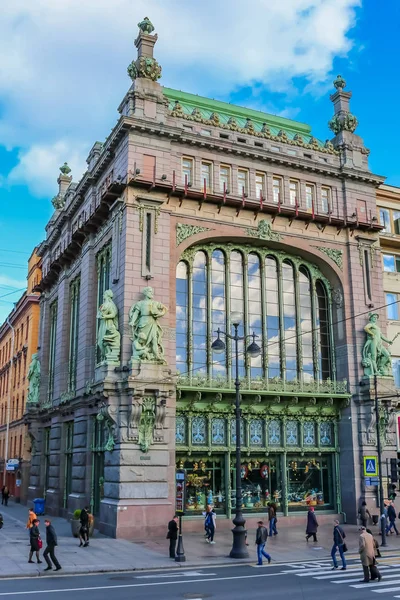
(62, 82)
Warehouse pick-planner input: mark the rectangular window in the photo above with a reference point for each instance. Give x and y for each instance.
(52, 348)
(149, 167)
(396, 221)
(384, 218)
(392, 308)
(396, 371)
(73, 333)
(277, 190)
(103, 263)
(362, 211)
(46, 449)
(148, 241)
(187, 170)
(391, 263)
(310, 196)
(294, 193)
(260, 185)
(224, 178)
(206, 176)
(68, 451)
(325, 199)
(243, 181)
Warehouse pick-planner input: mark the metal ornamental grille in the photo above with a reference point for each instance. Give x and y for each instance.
(284, 300)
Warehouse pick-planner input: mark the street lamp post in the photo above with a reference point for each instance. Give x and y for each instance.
(239, 549)
(379, 451)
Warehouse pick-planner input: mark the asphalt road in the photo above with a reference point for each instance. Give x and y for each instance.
(278, 582)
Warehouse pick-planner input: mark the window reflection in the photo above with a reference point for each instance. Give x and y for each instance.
(287, 309)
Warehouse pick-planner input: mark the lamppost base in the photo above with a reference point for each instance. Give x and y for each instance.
(239, 548)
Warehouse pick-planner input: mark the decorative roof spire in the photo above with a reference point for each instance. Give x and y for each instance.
(64, 179)
(343, 119)
(145, 65)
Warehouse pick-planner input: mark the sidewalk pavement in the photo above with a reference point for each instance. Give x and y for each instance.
(109, 555)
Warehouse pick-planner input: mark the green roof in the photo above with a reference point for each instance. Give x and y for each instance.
(226, 111)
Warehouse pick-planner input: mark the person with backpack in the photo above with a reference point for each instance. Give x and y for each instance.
(391, 513)
(210, 524)
(338, 544)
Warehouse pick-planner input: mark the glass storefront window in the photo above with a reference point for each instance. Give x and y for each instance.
(308, 433)
(233, 432)
(205, 485)
(274, 433)
(256, 432)
(218, 435)
(292, 433)
(261, 483)
(310, 482)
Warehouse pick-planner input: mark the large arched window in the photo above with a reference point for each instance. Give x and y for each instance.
(283, 300)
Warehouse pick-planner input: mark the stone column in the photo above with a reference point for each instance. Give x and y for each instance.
(53, 493)
(80, 471)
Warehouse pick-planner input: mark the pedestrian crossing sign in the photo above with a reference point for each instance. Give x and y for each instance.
(370, 466)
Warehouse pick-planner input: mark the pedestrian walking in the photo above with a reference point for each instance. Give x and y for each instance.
(364, 514)
(338, 544)
(5, 494)
(210, 524)
(84, 528)
(36, 542)
(391, 513)
(261, 540)
(51, 543)
(366, 549)
(312, 525)
(272, 518)
(172, 536)
(376, 544)
(29, 524)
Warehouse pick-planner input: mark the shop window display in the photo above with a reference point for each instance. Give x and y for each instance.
(205, 484)
(261, 483)
(309, 481)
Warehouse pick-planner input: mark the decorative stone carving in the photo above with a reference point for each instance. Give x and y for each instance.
(390, 433)
(34, 380)
(65, 169)
(146, 331)
(339, 83)
(333, 254)
(184, 231)
(263, 231)
(344, 122)
(145, 67)
(146, 423)
(105, 415)
(376, 359)
(146, 26)
(371, 426)
(108, 337)
(58, 201)
(337, 296)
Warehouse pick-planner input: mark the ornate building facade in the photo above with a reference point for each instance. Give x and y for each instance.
(18, 343)
(193, 209)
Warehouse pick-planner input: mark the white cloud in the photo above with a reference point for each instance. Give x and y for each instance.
(63, 64)
(38, 165)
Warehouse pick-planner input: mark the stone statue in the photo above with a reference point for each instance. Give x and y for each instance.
(376, 359)
(34, 380)
(108, 337)
(146, 26)
(146, 330)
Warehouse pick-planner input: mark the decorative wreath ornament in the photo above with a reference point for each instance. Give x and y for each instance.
(244, 471)
(264, 471)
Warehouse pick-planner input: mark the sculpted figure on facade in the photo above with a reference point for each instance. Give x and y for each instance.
(34, 380)
(376, 359)
(146, 330)
(108, 338)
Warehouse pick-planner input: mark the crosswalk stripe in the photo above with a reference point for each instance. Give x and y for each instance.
(354, 568)
(377, 584)
(361, 575)
(387, 590)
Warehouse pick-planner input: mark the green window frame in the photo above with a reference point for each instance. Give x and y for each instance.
(103, 265)
(73, 333)
(52, 348)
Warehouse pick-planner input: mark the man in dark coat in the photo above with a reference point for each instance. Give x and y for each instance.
(338, 544)
(391, 512)
(51, 543)
(312, 525)
(261, 540)
(172, 536)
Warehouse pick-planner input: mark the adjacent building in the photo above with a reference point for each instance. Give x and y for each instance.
(193, 210)
(18, 342)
